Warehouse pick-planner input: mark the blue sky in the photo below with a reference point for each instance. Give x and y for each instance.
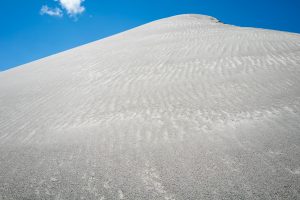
(33, 29)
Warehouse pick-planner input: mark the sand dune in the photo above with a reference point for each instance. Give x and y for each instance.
(181, 108)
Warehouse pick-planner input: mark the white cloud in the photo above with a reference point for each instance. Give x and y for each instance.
(73, 7)
(45, 10)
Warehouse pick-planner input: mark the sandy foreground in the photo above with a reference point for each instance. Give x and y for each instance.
(182, 108)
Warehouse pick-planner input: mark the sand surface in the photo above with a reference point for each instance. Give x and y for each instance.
(182, 108)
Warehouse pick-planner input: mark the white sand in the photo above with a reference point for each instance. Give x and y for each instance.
(180, 108)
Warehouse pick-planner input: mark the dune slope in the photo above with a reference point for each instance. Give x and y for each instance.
(181, 108)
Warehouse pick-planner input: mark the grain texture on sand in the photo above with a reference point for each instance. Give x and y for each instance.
(181, 108)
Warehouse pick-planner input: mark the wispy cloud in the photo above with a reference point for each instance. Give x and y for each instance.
(71, 7)
(45, 10)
